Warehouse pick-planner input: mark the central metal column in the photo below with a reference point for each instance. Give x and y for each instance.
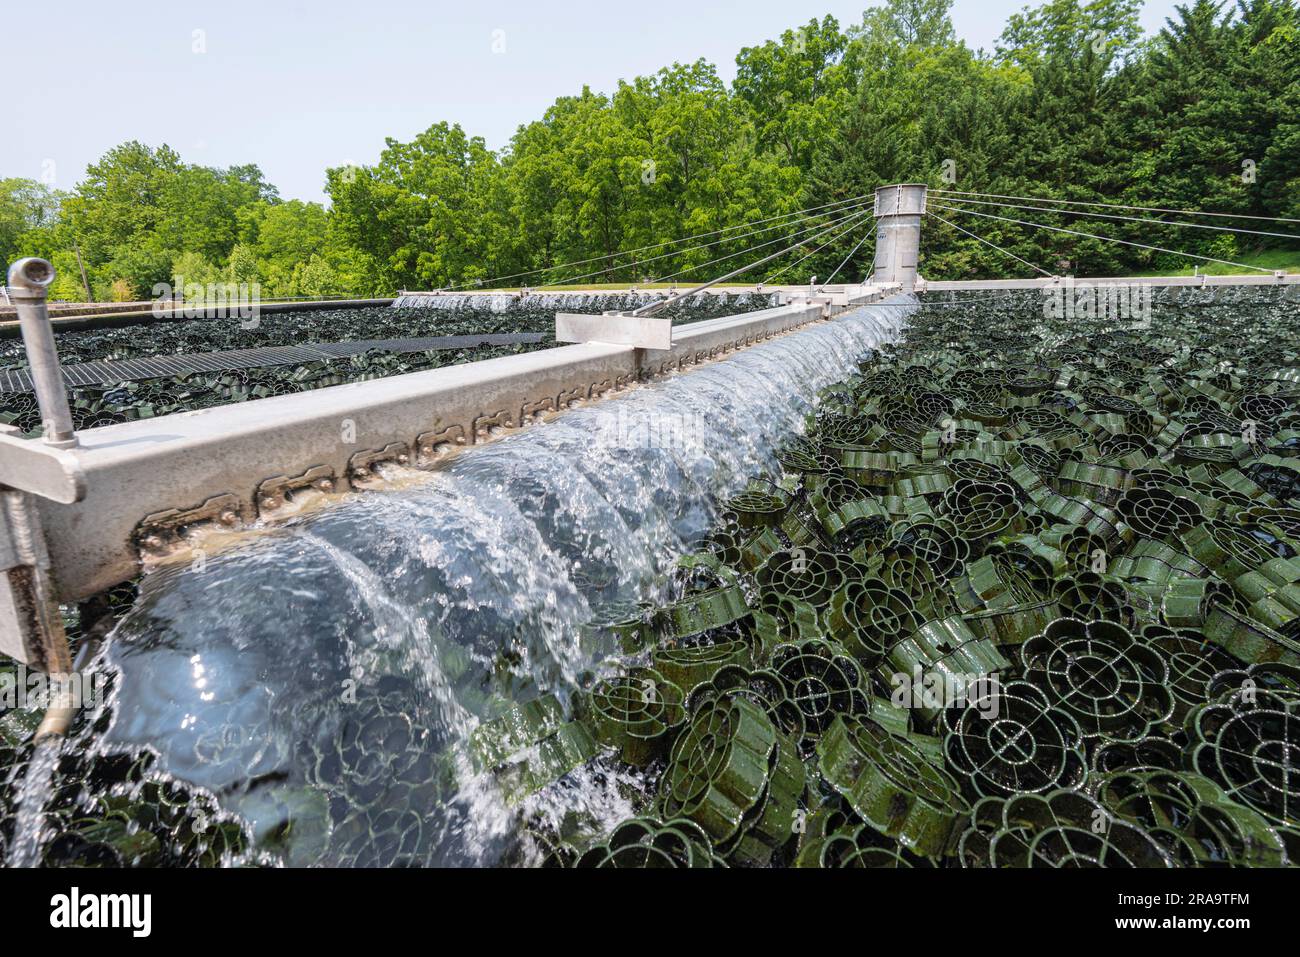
(899, 210)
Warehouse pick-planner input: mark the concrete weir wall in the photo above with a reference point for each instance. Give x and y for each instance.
(151, 483)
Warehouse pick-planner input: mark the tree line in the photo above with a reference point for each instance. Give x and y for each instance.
(1074, 102)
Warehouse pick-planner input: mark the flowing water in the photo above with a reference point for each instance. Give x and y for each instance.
(319, 678)
(32, 791)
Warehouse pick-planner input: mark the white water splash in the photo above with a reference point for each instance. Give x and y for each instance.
(29, 806)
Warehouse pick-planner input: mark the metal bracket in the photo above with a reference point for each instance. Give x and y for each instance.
(30, 465)
(484, 424)
(31, 627)
(570, 396)
(282, 496)
(533, 410)
(164, 535)
(429, 445)
(361, 467)
(614, 328)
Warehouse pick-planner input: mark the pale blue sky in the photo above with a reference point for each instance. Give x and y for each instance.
(298, 86)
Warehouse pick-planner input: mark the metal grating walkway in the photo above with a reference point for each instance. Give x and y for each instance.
(154, 367)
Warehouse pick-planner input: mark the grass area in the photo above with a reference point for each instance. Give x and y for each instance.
(1270, 259)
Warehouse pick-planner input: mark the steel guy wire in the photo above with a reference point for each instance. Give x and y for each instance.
(1109, 239)
(843, 203)
(820, 226)
(867, 235)
(1145, 209)
(828, 242)
(986, 242)
(716, 242)
(1129, 219)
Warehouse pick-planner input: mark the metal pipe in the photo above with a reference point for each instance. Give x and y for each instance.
(68, 694)
(29, 283)
(63, 708)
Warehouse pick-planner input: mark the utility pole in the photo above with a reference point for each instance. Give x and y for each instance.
(85, 283)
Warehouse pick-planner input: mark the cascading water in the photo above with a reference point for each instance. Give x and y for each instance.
(320, 679)
(33, 789)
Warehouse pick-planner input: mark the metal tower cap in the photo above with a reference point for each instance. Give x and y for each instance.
(901, 199)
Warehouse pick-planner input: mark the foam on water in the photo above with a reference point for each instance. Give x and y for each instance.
(322, 674)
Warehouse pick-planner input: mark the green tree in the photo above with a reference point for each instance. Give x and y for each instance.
(288, 235)
(315, 278)
(416, 211)
(243, 266)
(798, 88)
(193, 267)
(919, 23)
(25, 207)
(1221, 97)
(138, 209)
